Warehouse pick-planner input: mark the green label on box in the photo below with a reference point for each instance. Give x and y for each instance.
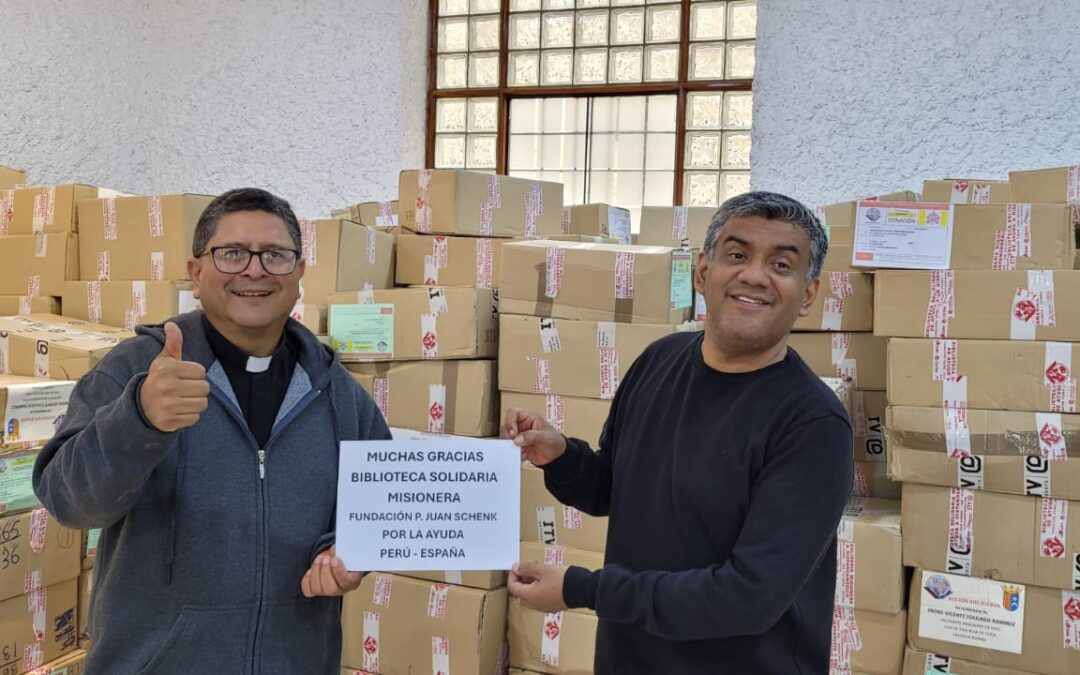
(362, 331)
(16, 486)
(92, 537)
(682, 280)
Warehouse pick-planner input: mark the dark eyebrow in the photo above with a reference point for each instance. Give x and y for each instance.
(781, 247)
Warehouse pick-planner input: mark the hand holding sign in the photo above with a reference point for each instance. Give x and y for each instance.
(175, 391)
(328, 576)
(540, 442)
(538, 585)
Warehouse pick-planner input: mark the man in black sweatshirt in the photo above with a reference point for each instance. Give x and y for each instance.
(724, 467)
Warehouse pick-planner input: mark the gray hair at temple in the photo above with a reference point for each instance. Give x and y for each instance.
(772, 206)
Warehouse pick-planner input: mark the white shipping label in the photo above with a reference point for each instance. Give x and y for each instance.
(555, 259)
(534, 207)
(1070, 619)
(7, 209)
(153, 216)
(41, 358)
(5, 361)
(624, 276)
(937, 665)
(848, 370)
(104, 271)
(130, 319)
(384, 584)
(437, 596)
(571, 518)
(1054, 521)
(555, 412)
(1051, 438)
(542, 381)
(440, 656)
(386, 217)
(1041, 289)
(980, 193)
(549, 335)
(307, 242)
(440, 248)
(845, 574)
(108, 218)
(157, 265)
(33, 655)
(93, 301)
(485, 263)
(554, 555)
(371, 641)
(487, 220)
(845, 640)
(680, 224)
(1036, 476)
(855, 507)
(609, 373)
(366, 295)
(961, 542)
(954, 393)
(605, 334)
(41, 245)
(566, 219)
(944, 365)
(905, 235)
(369, 247)
(545, 525)
(429, 336)
(960, 192)
(840, 285)
(942, 304)
(1057, 363)
(39, 523)
(957, 431)
(1072, 186)
(841, 342)
(860, 486)
(25, 304)
(619, 224)
(382, 396)
(138, 297)
(970, 474)
(437, 303)
(431, 271)
(437, 408)
(832, 316)
(1018, 222)
(549, 639)
(980, 613)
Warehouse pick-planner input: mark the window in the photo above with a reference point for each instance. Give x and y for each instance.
(633, 102)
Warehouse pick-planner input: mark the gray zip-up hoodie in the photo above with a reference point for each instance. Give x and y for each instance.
(206, 536)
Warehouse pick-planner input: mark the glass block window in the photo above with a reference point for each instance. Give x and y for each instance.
(505, 66)
(610, 149)
(466, 133)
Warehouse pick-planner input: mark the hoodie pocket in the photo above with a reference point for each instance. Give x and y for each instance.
(203, 640)
(301, 636)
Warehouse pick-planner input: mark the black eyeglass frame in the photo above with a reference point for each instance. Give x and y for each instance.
(253, 254)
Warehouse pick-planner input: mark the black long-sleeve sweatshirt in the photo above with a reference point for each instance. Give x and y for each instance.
(724, 491)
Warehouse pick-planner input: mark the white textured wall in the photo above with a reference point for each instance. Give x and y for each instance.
(321, 101)
(854, 97)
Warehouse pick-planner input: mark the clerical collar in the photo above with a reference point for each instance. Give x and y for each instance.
(232, 356)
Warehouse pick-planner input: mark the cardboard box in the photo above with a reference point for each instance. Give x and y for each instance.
(383, 215)
(845, 302)
(675, 226)
(991, 305)
(599, 220)
(871, 479)
(561, 356)
(1060, 185)
(1012, 537)
(393, 625)
(918, 662)
(453, 397)
(842, 214)
(343, 256)
(1000, 374)
(860, 356)
(966, 191)
(1007, 448)
(16, 480)
(38, 264)
(1036, 635)
(479, 204)
(869, 547)
(72, 664)
(560, 555)
(32, 409)
(137, 238)
(34, 544)
(60, 626)
(123, 304)
(56, 347)
(881, 637)
(597, 282)
(484, 580)
(428, 323)
(868, 425)
(313, 317)
(86, 593)
(11, 179)
(576, 417)
(48, 209)
(448, 261)
(838, 259)
(27, 304)
(572, 650)
(546, 521)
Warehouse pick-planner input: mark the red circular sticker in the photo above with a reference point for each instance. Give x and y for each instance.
(1057, 372)
(436, 411)
(1025, 310)
(430, 340)
(1053, 548)
(1072, 609)
(1050, 434)
(551, 629)
(371, 645)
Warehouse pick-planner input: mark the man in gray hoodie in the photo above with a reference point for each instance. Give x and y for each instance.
(207, 449)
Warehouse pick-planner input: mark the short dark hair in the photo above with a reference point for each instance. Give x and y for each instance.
(772, 206)
(243, 199)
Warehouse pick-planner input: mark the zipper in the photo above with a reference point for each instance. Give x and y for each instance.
(262, 464)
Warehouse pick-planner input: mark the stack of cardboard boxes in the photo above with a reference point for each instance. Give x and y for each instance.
(981, 416)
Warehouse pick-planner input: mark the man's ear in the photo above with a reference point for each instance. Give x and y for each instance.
(701, 271)
(809, 295)
(194, 270)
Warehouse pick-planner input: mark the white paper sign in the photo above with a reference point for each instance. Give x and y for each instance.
(904, 235)
(34, 411)
(976, 612)
(429, 503)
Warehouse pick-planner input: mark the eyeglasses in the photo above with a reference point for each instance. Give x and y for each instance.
(234, 260)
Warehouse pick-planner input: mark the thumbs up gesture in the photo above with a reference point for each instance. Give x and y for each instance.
(175, 391)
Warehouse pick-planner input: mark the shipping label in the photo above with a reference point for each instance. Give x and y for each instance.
(1053, 523)
(980, 613)
(961, 530)
(904, 235)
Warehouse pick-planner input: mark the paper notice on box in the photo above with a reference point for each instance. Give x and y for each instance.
(976, 612)
(34, 411)
(619, 224)
(682, 280)
(429, 504)
(16, 484)
(903, 235)
(360, 332)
